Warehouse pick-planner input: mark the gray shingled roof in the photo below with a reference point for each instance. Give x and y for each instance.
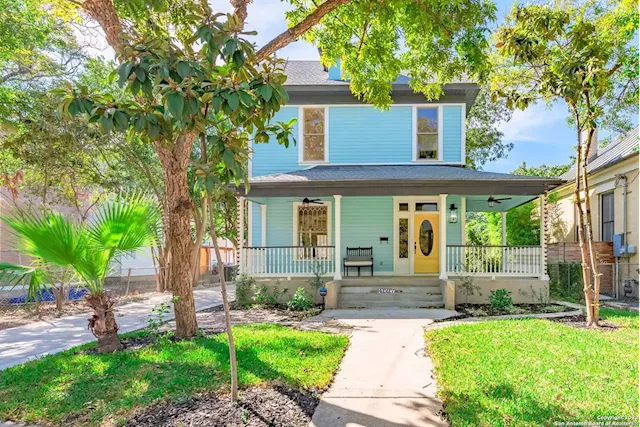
(620, 149)
(311, 73)
(390, 172)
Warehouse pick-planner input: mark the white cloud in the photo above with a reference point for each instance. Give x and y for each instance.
(530, 125)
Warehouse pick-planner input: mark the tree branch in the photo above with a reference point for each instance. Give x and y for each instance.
(299, 29)
(240, 9)
(105, 14)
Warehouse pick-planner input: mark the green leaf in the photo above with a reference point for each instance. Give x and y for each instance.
(217, 103)
(265, 91)
(141, 75)
(122, 119)
(107, 123)
(184, 69)
(228, 157)
(175, 104)
(233, 100)
(246, 98)
(124, 71)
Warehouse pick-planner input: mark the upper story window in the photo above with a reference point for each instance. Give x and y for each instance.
(314, 130)
(427, 133)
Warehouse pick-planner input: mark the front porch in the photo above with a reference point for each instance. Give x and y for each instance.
(411, 218)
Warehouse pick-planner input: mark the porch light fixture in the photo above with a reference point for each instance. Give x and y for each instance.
(491, 202)
(453, 213)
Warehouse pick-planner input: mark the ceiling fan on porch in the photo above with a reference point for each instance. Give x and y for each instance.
(492, 200)
(306, 201)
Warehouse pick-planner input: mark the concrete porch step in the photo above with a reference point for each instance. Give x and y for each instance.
(391, 304)
(390, 297)
(382, 281)
(400, 289)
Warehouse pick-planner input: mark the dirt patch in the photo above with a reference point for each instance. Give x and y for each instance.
(580, 322)
(20, 315)
(257, 407)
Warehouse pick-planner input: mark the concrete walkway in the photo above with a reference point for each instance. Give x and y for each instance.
(384, 379)
(21, 344)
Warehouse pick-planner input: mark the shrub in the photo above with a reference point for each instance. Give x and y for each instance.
(269, 296)
(244, 287)
(500, 299)
(300, 301)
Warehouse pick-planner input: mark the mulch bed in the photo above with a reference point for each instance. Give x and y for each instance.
(484, 310)
(580, 322)
(257, 407)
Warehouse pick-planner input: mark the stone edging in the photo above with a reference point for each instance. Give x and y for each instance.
(440, 325)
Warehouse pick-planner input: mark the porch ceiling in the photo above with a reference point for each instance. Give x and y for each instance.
(395, 180)
(480, 204)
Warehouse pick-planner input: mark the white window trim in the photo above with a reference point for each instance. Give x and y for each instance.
(294, 240)
(301, 160)
(414, 136)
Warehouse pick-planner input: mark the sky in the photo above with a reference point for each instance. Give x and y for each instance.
(540, 133)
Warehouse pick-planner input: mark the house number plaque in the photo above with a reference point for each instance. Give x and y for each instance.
(386, 291)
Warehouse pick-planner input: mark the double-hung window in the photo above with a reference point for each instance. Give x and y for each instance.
(427, 133)
(314, 130)
(606, 217)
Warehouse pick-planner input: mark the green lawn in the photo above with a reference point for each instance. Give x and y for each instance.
(69, 388)
(534, 372)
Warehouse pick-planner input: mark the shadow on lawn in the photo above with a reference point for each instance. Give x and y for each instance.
(502, 405)
(91, 387)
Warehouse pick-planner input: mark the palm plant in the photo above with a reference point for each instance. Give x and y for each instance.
(120, 226)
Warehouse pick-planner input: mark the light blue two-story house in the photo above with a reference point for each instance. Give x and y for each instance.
(366, 192)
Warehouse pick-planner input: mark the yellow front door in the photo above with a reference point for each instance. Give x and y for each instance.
(425, 238)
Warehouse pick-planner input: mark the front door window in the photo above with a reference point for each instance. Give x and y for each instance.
(426, 237)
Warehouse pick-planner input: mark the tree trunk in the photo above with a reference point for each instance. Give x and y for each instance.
(103, 322)
(225, 304)
(593, 315)
(200, 219)
(58, 293)
(178, 231)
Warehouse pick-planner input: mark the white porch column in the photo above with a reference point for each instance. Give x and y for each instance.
(241, 235)
(442, 208)
(543, 237)
(503, 250)
(338, 233)
(338, 240)
(263, 225)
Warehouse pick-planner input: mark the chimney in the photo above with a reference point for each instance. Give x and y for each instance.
(335, 73)
(593, 148)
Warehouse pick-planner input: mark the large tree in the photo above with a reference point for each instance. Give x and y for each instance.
(582, 54)
(176, 80)
(483, 136)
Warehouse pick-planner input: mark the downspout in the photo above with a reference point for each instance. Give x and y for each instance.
(620, 177)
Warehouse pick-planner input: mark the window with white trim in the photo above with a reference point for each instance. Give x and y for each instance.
(313, 134)
(427, 133)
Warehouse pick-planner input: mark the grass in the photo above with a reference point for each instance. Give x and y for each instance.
(75, 388)
(535, 372)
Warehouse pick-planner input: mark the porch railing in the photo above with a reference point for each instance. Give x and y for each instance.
(494, 260)
(288, 260)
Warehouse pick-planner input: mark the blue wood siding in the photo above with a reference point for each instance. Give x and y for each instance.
(364, 220)
(452, 133)
(272, 157)
(368, 135)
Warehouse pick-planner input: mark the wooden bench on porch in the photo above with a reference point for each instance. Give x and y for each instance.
(358, 257)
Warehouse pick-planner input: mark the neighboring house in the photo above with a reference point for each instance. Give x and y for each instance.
(614, 187)
(394, 181)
